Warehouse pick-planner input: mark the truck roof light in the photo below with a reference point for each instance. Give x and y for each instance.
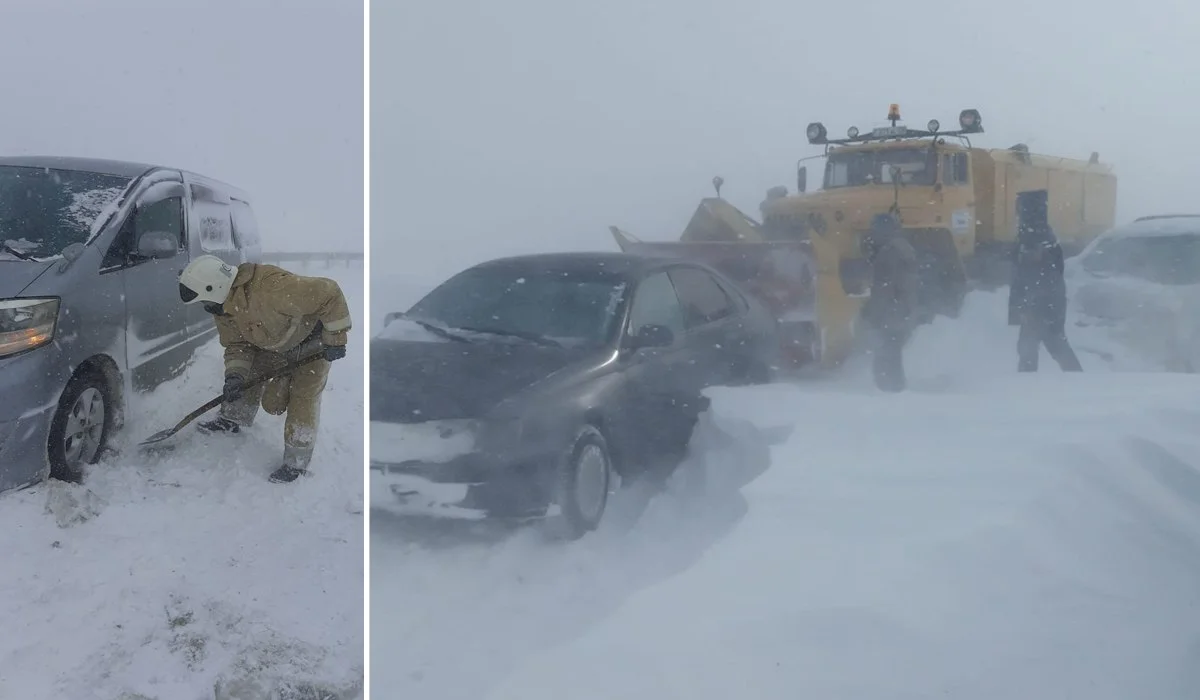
(816, 133)
(970, 121)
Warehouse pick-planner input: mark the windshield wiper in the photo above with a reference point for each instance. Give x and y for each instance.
(436, 329)
(19, 254)
(531, 337)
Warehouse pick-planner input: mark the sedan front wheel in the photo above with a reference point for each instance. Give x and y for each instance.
(582, 481)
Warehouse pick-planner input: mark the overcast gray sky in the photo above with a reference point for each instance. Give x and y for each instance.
(265, 95)
(500, 127)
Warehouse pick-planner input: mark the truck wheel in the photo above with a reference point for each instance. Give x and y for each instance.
(80, 427)
(582, 480)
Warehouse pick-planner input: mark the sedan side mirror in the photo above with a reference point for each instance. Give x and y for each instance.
(651, 336)
(157, 245)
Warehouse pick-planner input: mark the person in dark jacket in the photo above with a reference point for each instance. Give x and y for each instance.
(892, 308)
(1037, 300)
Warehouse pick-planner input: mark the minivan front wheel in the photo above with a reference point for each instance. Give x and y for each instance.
(80, 427)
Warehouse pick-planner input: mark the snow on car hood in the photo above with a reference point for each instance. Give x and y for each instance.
(1120, 297)
(1158, 322)
(431, 441)
(403, 329)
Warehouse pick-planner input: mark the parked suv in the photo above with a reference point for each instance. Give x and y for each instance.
(1141, 282)
(90, 316)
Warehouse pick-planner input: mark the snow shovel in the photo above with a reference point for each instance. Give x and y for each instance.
(216, 401)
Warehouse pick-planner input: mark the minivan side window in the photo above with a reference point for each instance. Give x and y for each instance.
(151, 214)
(245, 226)
(702, 298)
(212, 216)
(655, 303)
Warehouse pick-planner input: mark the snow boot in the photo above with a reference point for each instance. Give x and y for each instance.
(286, 474)
(295, 464)
(220, 424)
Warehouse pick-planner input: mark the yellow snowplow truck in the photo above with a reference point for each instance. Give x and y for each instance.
(956, 203)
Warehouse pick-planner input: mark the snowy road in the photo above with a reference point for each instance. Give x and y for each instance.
(993, 539)
(985, 535)
(196, 567)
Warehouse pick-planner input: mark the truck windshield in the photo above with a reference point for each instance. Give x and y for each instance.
(918, 166)
(43, 210)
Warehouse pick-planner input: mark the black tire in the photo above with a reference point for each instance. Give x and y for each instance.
(80, 394)
(574, 520)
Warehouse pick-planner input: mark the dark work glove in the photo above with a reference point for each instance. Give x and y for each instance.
(334, 352)
(234, 388)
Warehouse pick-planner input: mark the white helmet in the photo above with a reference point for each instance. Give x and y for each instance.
(207, 278)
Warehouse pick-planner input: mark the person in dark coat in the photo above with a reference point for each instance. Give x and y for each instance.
(892, 308)
(1037, 300)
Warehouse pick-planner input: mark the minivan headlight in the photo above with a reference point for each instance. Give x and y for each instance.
(26, 324)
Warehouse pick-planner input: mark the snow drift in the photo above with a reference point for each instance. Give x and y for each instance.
(186, 574)
(984, 535)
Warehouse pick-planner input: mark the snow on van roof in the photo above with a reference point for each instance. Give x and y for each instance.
(1151, 226)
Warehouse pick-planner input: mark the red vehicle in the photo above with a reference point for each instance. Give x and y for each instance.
(781, 274)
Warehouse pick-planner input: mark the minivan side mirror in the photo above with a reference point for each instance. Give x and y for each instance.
(651, 336)
(157, 245)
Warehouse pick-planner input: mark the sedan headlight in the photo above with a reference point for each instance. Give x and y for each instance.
(26, 324)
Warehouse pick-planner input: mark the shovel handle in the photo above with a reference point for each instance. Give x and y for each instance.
(217, 400)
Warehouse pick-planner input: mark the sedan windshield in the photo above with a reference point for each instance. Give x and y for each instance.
(44, 210)
(1163, 259)
(565, 308)
(918, 166)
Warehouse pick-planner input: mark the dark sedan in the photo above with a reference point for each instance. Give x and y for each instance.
(530, 386)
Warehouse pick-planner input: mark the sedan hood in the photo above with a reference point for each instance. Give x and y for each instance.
(413, 381)
(17, 275)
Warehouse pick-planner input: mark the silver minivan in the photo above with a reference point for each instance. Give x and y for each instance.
(90, 316)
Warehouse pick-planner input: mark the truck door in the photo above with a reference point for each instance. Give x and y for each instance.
(959, 195)
(1033, 207)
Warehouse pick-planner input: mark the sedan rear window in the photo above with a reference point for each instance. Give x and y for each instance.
(1163, 259)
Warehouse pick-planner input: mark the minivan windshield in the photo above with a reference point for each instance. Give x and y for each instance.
(44, 210)
(574, 308)
(1169, 259)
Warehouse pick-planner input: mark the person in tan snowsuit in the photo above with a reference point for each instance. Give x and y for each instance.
(266, 318)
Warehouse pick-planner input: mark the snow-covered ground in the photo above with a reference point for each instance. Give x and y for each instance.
(984, 535)
(193, 570)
